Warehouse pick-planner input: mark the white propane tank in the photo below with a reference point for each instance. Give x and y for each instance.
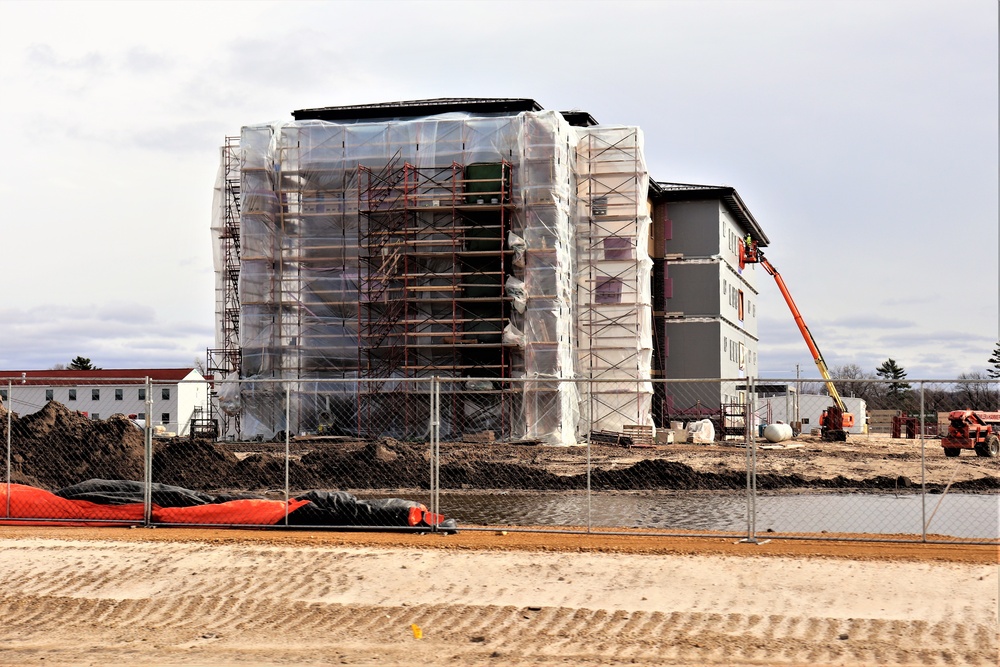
(778, 432)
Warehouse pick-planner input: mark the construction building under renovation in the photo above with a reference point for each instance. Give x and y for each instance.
(508, 250)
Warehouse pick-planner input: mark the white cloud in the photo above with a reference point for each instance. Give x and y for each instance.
(863, 136)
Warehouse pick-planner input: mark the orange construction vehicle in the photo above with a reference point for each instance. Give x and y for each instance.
(835, 419)
(972, 429)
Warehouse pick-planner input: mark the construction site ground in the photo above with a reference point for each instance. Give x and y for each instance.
(98, 596)
(57, 447)
(869, 462)
(169, 596)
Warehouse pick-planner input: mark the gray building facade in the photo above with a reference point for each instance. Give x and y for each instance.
(707, 306)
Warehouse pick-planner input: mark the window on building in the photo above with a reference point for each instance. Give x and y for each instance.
(617, 248)
(740, 307)
(165, 418)
(95, 394)
(599, 206)
(72, 394)
(165, 393)
(609, 290)
(142, 394)
(94, 416)
(49, 394)
(141, 415)
(3, 394)
(119, 394)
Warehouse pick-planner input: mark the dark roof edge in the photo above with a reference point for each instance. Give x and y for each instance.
(579, 118)
(727, 195)
(415, 108)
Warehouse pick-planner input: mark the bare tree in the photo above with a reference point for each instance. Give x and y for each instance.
(977, 395)
(859, 387)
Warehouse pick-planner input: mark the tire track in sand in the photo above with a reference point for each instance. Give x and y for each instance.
(37, 623)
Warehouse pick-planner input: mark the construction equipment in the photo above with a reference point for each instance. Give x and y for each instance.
(835, 419)
(972, 429)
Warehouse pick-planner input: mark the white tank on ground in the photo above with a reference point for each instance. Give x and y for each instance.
(778, 432)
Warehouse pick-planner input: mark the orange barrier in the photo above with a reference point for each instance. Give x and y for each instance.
(234, 512)
(28, 502)
(37, 507)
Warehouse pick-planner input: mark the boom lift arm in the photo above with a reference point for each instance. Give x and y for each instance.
(750, 253)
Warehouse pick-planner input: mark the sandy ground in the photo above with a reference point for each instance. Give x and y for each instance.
(198, 597)
(861, 457)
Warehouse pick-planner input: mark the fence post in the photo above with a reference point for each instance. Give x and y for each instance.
(288, 431)
(10, 403)
(435, 426)
(923, 468)
(147, 493)
(590, 440)
(751, 447)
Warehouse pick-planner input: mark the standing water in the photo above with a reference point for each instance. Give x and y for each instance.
(954, 514)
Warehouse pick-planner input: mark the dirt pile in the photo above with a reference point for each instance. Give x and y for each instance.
(192, 464)
(56, 447)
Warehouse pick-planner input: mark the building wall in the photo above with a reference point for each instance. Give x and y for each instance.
(173, 412)
(694, 349)
(711, 312)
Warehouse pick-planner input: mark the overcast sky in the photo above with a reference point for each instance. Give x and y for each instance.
(862, 135)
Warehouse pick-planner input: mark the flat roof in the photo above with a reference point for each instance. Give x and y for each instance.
(674, 192)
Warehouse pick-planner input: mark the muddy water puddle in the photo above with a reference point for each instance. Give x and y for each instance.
(953, 514)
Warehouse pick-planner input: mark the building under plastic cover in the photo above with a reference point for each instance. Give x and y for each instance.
(488, 242)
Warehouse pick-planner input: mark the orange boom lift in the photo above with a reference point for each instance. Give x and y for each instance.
(835, 419)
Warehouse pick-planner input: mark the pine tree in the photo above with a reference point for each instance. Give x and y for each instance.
(82, 364)
(890, 370)
(994, 369)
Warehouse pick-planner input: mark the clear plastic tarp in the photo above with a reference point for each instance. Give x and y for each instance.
(509, 250)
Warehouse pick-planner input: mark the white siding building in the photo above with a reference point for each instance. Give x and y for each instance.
(179, 395)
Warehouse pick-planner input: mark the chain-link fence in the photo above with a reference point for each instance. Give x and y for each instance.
(745, 458)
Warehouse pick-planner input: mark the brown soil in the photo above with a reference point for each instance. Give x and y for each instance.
(538, 540)
(56, 447)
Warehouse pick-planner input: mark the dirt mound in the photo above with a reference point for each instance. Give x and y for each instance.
(385, 463)
(193, 464)
(56, 447)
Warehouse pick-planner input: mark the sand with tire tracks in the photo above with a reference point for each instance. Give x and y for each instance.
(190, 597)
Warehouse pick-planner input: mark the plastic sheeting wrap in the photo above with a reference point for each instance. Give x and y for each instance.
(613, 279)
(551, 408)
(321, 256)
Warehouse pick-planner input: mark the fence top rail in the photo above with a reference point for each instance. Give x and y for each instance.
(743, 382)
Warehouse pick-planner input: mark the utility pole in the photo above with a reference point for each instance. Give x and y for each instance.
(798, 392)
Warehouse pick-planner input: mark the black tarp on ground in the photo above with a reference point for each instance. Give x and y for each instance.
(322, 508)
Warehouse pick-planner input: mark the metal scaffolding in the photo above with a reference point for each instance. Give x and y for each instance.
(432, 300)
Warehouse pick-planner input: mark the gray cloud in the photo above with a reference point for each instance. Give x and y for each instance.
(112, 335)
